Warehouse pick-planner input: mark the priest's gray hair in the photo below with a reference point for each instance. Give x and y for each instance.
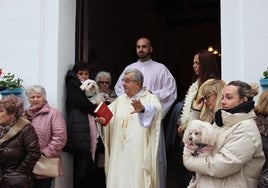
(138, 76)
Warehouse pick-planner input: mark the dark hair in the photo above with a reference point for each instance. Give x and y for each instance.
(208, 67)
(81, 65)
(145, 38)
(13, 105)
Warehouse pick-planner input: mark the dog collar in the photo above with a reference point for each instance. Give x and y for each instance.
(91, 96)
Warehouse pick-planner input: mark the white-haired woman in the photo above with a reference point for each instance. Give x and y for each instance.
(50, 127)
(104, 81)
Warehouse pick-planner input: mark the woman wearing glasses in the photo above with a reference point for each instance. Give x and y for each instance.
(205, 67)
(104, 81)
(208, 100)
(237, 158)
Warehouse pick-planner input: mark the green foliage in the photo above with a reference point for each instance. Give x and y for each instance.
(9, 81)
(265, 73)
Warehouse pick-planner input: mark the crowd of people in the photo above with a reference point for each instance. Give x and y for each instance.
(130, 150)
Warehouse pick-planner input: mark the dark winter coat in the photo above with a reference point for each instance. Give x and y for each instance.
(19, 151)
(77, 107)
(262, 123)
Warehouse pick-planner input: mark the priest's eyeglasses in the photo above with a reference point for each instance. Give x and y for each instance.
(127, 80)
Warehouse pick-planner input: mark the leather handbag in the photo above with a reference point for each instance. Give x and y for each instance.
(47, 167)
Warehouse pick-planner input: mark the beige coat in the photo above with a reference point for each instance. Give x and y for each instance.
(237, 158)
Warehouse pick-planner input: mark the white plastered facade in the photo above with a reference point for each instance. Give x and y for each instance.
(37, 43)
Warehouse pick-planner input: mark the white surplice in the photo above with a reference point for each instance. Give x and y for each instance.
(157, 78)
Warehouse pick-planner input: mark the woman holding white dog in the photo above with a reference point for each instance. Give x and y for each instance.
(205, 66)
(238, 157)
(78, 142)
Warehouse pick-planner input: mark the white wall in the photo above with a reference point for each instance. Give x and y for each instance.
(244, 38)
(19, 39)
(37, 44)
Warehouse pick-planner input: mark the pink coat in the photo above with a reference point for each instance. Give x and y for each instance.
(50, 127)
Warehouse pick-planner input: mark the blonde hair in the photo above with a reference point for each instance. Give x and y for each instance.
(215, 87)
(262, 106)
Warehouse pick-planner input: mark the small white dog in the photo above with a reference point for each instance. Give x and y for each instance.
(199, 139)
(91, 89)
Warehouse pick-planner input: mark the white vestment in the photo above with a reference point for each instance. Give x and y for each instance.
(131, 158)
(157, 78)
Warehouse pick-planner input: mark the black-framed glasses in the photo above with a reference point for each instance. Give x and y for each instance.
(127, 80)
(206, 97)
(103, 82)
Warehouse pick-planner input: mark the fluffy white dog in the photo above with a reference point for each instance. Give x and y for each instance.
(199, 139)
(91, 89)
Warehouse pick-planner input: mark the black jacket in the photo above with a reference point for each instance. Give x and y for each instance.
(262, 123)
(77, 107)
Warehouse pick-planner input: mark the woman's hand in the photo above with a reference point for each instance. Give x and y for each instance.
(198, 104)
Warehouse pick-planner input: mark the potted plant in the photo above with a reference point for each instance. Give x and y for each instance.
(10, 84)
(264, 80)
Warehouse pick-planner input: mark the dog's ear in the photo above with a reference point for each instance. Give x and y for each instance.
(96, 86)
(185, 138)
(191, 125)
(83, 85)
(208, 134)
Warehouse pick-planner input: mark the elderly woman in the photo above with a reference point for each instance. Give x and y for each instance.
(50, 127)
(19, 148)
(104, 81)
